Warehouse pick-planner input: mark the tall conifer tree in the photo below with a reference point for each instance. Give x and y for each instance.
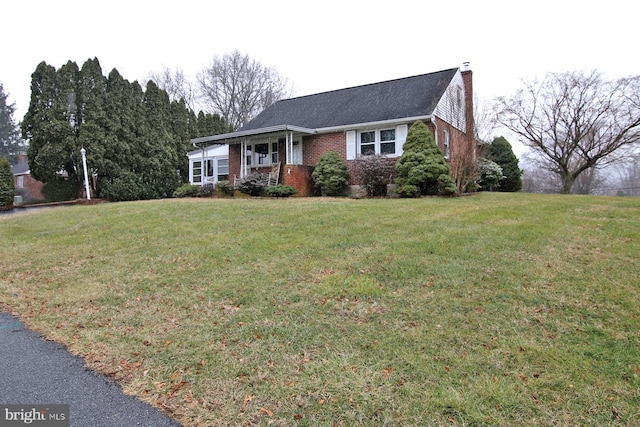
(501, 152)
(10, 144)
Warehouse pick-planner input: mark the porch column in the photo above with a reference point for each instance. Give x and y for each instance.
(289, 147)
(243, 158)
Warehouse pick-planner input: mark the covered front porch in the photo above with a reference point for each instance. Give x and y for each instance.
(271, 151)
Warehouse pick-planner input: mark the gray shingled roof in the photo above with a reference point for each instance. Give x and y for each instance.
(415, 96)
(21, 168)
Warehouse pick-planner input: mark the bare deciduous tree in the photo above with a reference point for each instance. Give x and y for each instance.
(629, 173)
(177, 86)
(574, 121)
(238, 88)
(483, 121)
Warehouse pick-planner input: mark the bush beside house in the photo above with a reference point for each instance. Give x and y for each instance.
(331, 175)
(422, 168)
(374, 173)
(280, 190)
(7, 186)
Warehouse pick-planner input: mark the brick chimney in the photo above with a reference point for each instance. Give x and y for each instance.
(467, 78)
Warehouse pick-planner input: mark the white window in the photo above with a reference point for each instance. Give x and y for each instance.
(262, 154)
(215, 169)
(274, 153)
(296, 153)
(388, 141)
(381, 142)
(197, 172)
(20, 181)
(367, 143)
(447, 144)
(223, 169)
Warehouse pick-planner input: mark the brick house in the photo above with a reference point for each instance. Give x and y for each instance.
(292, 134)
(26, 186)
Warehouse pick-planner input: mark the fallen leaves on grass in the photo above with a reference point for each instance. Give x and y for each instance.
(266, 412)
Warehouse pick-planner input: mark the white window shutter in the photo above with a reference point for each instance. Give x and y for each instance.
(401, 137)
(351, 145)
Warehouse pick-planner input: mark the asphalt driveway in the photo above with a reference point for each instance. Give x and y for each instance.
(34, 371)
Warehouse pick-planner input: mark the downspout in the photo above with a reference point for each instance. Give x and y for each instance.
(435, 127)
(202, 166)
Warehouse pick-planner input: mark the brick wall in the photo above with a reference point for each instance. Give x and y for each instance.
(234, 161)
(313, 147)
(299, 177)
(31, 190)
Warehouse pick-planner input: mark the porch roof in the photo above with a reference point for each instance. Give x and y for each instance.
(229, 137)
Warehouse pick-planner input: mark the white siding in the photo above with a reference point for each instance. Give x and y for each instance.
(451, 107)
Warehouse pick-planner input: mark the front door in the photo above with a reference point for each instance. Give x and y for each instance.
(296, 153)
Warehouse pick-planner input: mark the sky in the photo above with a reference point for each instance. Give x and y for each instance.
(321, 46)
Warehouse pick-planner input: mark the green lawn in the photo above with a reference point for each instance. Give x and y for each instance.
(491, 310)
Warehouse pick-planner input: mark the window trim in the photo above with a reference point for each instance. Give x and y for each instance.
(196, 177)
(208, 172)
(377, 141)
(446, 144)
(271, 155)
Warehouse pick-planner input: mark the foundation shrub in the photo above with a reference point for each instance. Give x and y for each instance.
(253, 185)
(186, 190)
(330, 175)
(280, 190)
(373, 173)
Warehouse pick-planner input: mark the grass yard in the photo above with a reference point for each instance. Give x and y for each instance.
(492, 310)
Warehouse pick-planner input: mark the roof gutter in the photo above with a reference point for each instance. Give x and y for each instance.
(374, 124)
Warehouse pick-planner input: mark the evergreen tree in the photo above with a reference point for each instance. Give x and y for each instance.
(500, 152)
(7, 187)
(92, 132)
(211, 124)
(10, 143)
(161, 175)
(422, 168)
(136, 141)
(179, 125)
(37, 126)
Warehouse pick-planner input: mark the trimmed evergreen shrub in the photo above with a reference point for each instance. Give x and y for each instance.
(59, 190)
(7, 186)
(225, 188)
(280, 190)
(127, 186)
(253, 185)
(186, 190)
(330, 175)
(422, 165)
(207, 190)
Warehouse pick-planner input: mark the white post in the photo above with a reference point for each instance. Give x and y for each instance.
(83, 152)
